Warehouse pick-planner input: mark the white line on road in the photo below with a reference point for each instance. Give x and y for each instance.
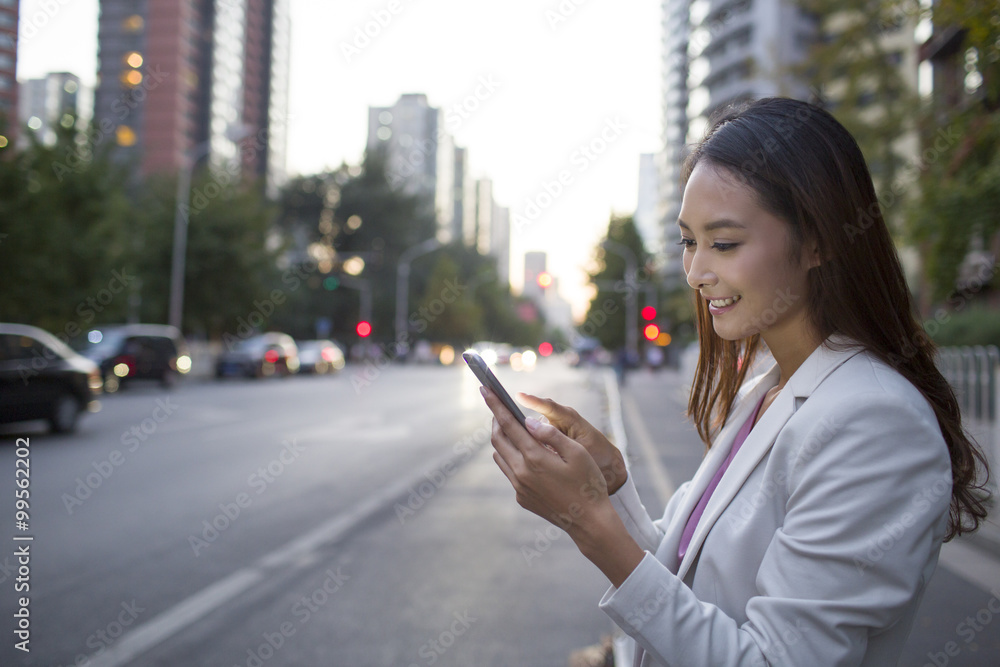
(659, 476)
(290, 556)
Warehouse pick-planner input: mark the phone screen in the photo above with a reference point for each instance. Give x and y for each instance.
(489, 380)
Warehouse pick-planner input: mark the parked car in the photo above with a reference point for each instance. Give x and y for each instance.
(320, 356)
(130, 352)
(262, 355)
(42, 378)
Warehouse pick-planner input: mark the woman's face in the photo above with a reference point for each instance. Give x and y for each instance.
(736, 255)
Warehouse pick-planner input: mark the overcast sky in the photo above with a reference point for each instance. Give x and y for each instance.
(545, 90)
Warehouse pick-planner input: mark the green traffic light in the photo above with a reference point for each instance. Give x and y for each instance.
(330, 283)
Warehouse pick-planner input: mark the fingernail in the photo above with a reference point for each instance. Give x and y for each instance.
(482, 390)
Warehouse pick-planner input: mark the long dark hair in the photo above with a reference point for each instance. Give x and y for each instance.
(805, 168)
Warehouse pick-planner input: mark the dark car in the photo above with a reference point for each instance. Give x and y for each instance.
(130, 352)
(42, 378)
(320, 356)
(262, 355)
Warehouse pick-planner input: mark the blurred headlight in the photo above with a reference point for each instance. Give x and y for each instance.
(489, 356)
(447, 355)
(183, 363)
(121, 370)
(529, 359)
(95, 382)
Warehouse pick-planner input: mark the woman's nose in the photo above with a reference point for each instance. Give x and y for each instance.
(699, 274)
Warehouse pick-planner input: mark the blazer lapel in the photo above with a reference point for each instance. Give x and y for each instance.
(667, 550)
(806, 378)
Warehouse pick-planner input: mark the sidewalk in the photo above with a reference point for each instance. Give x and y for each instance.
(964, 594)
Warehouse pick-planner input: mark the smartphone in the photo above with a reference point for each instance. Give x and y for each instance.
(490, 381)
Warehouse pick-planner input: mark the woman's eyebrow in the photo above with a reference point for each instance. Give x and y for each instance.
(724, 223)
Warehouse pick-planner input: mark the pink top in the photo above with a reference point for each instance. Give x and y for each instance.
(699, 509)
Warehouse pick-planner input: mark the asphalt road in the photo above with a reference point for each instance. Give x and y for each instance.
(348, 520)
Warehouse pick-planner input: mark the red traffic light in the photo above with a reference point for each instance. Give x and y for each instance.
(649, 313)
(651, 332)
(364, 329)
(545, 349)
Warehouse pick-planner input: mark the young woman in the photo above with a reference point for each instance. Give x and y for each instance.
(815, 520)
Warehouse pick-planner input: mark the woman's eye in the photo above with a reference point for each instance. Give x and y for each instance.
(724, 246)
(687, 243)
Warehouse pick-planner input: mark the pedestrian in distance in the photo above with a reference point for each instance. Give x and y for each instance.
(815, 520)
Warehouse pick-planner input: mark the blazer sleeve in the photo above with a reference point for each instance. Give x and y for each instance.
(863, 520)
(646, 532)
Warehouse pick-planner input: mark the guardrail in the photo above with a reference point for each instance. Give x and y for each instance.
(972, 373)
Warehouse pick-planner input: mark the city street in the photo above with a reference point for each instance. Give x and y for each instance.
(353, 520)
(347, 520)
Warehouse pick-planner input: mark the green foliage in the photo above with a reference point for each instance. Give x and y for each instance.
(976, 325)
(606, 316)
(229, 271)
(64, 239)
(852, 72)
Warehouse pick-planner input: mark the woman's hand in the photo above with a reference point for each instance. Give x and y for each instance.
(556, 478)
(608, 457)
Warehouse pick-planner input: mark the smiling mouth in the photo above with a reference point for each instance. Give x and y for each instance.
(722, 303)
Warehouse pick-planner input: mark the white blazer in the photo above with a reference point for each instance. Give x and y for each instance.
(816, 546)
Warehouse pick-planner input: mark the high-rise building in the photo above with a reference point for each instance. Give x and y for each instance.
(647, 219)
(482, 231)
(534, 266)
(184, 80)
(8, 73)
(44, 104)
(465, 197)
(419, 154)
(500, 242)
(741, 50)
(676, 40)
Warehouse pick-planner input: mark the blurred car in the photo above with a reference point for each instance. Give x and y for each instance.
(263, 355)
(130, 352)
(42, 378)
(320, 356)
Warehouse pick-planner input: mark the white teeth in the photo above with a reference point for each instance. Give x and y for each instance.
(722, 303)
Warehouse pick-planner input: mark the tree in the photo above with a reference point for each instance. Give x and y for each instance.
(230, 274)
(855, 68)
(606, 316)
(64, 239)
(959, 179)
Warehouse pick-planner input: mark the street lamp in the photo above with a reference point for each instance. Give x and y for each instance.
(403, 285)
(182, 216)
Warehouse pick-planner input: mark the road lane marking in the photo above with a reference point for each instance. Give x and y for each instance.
(290, 556)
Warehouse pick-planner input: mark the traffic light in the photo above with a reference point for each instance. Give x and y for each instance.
(331, 283)
(649, 313)
(651, 332)
(364, 329)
